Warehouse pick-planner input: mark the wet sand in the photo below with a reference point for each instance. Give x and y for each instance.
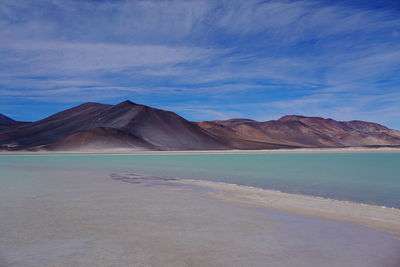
(82, 218)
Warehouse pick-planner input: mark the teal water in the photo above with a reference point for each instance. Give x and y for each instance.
(372, 178)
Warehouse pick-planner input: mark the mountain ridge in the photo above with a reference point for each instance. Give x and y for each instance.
(162, 130)
(306, 131)
(5, 119)
(129, 125)
(7, 124)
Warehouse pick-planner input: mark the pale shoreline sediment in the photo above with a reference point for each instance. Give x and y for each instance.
(231, 151)
(378, 217)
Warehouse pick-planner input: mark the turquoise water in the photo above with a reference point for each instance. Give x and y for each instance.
(372, 178)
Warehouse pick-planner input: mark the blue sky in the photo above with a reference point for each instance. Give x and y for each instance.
(203, 59)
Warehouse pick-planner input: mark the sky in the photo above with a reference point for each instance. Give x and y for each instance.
(203, 59)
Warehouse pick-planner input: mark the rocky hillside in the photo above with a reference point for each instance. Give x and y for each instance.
(127, 125)
(301, 131)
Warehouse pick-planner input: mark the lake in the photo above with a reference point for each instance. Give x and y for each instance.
(372, 178)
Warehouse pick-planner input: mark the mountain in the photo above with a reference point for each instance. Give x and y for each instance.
(128, 125)
(8, 124)
(301, 131)
(100, 137)
(5, 119)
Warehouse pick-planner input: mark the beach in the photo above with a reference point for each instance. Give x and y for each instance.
(56, 217)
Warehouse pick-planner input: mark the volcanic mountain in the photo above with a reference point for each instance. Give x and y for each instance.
(127, 125)
(7, 123)
(301, 131)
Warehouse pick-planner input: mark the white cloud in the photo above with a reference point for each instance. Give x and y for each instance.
(55, 57)
(326, 58)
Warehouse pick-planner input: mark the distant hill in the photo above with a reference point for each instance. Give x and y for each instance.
(128, 125)
(301, 131)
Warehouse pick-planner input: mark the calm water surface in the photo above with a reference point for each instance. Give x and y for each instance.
(372, 178)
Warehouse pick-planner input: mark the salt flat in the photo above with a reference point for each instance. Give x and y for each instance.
(89, 218)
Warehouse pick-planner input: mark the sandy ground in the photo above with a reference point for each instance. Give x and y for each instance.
(82, 218)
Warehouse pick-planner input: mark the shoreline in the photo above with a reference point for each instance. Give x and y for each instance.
(382, 218)
(241, 187)
(185, 152)
(378, 217)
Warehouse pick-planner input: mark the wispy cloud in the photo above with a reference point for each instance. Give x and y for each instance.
(57, 57)
(205, 59)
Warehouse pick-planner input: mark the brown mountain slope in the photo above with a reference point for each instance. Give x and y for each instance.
(301, 131)
(134, 126)
(8, 124)
(100, 138)
(53, 128)
(244, 134)
(352, 133)
(161, 129)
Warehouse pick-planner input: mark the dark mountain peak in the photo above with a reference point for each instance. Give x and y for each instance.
(127, 103)
(5, 119)
(128, 108)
